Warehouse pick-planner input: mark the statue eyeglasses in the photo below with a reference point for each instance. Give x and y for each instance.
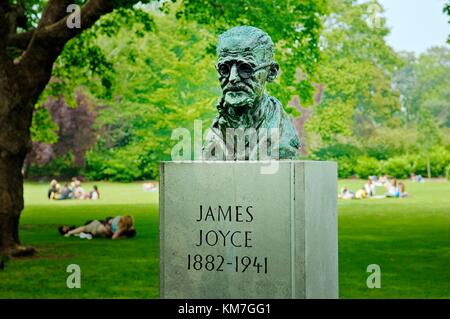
(244, 69)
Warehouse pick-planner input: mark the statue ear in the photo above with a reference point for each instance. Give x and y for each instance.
(273, 72)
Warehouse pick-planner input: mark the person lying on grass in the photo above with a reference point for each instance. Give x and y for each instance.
(114, 228)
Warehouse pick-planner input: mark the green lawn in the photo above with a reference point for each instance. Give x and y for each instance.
(127, 268)
(409, 238)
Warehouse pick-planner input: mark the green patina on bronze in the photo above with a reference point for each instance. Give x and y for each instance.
(245, 64)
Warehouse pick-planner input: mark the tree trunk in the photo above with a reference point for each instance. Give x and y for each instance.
(11, 205)
(22, 80)
(428, 167)
(16, 110)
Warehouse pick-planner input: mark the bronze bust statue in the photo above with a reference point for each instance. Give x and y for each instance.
(245, 63)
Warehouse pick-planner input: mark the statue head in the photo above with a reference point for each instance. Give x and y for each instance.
(245, 63)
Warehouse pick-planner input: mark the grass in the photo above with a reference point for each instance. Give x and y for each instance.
(408, 238)
(109, 269)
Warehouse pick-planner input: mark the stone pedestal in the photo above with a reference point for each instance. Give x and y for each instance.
(229, 231)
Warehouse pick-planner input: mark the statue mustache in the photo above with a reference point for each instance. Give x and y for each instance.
(238, 87)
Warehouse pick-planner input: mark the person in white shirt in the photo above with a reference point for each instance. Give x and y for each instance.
(370, 187)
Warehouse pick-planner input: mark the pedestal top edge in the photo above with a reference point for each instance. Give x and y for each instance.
(245, 162)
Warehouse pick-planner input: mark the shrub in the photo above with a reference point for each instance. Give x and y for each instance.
(336, 151)
(419, 164)
(116, 165)
(386, 143)
(398, 167)
(439, 160)
(447, 172)
(366, 166)
(60, 167)
(345, 167)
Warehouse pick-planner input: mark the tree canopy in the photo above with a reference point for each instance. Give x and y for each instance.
(134, 69)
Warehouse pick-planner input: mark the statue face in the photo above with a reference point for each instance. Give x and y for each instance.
(243, 76)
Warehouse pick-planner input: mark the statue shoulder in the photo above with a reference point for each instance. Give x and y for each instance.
(290, 142)
(275, 103)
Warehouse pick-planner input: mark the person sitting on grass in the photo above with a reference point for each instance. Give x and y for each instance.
(346, 193)
(360, 193)
(65, 193)
(369, 187)
(416, 178)
(54, 189)
(117, 227)
(393, 189)
(402, 189)
(94, 194)
(78, 191)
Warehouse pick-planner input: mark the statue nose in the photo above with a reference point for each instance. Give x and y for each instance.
(234, 75)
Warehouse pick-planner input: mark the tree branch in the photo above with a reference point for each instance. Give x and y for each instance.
(53, 37)
(54, 11)
(48, 41)
(20, 40)
(90, 13)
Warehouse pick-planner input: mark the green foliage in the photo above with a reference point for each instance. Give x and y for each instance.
(446, 10)
(61, 166)
(433, 83)
(428, 133)
(398, 167)
(346, 167)
(331, 118)
(164, 84)
(351, 162)
(294, 26)
(83, 63)
(44, 129)
(356, 70)
(344, 154)
(419, 164)
(367, 166)
(137, 20)
(115, 165)
(359, 106)
(33, 10)
(402, 166)
(150, 72)
(384, 143)
(425, 86)
(439, 159)
(335, 151)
